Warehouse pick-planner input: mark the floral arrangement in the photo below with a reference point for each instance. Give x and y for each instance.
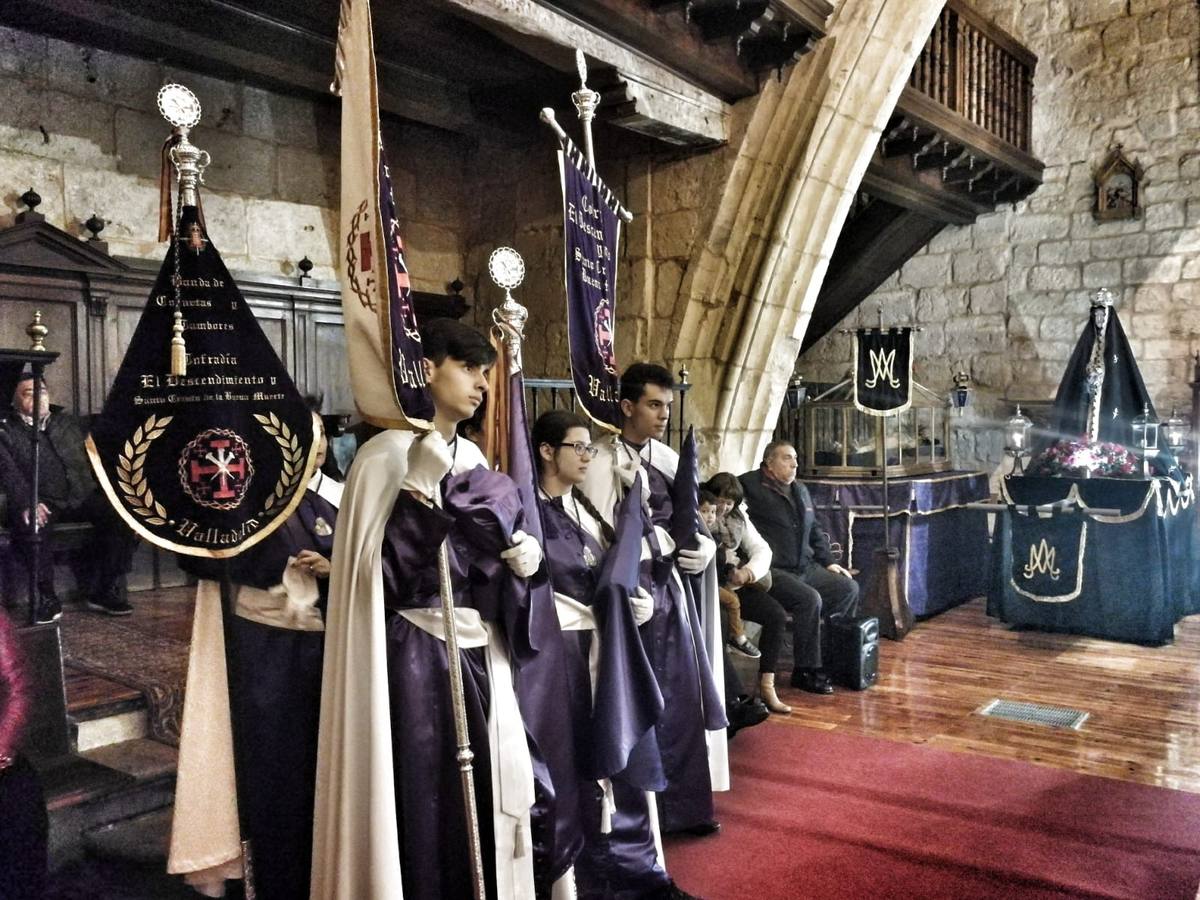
(1083, 458)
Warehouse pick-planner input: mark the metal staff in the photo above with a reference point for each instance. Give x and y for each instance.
(464, 756)
(37, 334)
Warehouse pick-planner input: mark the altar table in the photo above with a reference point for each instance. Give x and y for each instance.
(943, 547)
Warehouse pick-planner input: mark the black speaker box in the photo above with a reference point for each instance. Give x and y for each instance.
(853, 652)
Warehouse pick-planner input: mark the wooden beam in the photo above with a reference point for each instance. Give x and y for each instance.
(923, 192)
(928, 114)
(871, 247)
(240, 45)
(666, 103)
(666, 34)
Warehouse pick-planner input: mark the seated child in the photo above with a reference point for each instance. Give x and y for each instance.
(727, 561)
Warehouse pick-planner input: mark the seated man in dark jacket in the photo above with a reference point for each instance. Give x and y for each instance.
(67, 492)
(805, 579)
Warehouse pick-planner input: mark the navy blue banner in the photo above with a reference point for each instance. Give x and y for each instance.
(883, 370)
(408, 373)
(591, 232)
(210, 461)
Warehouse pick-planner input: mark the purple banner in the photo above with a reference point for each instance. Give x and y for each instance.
(591, 232)
(408, 375)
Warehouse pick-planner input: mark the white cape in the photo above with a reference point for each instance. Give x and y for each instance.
(356, 848)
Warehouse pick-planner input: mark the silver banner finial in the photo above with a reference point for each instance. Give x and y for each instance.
(508, 271)
(586, 100)
(181, 108)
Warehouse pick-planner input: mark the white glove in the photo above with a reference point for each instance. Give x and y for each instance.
(642, 605)
(429, 459)
(627, 469)
(693, 562)
(524, 556)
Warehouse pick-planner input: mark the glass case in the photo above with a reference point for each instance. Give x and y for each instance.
(840, 440)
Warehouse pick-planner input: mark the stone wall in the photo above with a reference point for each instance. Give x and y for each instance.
(81, 126)
(1007, 297)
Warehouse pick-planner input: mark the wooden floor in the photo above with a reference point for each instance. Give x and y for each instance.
(1144, 702)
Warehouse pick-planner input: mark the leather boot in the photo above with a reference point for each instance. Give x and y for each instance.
(766, 690)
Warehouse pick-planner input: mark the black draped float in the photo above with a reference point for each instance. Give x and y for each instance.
(1127, 577)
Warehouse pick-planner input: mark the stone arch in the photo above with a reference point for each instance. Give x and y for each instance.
(753, 279)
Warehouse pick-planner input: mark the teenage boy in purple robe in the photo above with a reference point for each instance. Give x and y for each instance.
(612, 690)
(389, 817)
(691, 733)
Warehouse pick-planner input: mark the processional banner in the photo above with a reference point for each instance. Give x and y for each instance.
(209, 462)
(883, 370)
(592, 232)
(1048, 556)
(382, 341)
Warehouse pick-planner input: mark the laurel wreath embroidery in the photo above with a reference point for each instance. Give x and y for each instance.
(365, 293)
(131, 476)
(293, 458)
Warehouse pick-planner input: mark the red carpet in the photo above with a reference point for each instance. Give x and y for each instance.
(820, 815)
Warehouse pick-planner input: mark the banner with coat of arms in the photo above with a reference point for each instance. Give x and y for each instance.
(209, 462)
(591, 233)
(883, 370)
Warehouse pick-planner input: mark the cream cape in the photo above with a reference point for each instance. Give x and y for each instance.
(605, 488)
(205, 838)
(356, 852)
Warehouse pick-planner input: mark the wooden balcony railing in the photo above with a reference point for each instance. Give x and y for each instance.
(980, 72)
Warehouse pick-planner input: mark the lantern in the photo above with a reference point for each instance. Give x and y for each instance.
(960, 395)
(1175, 431)
(797, 392)
(1016, 439)
(1145, 431)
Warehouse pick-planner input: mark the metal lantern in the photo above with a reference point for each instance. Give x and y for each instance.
(1175, 431)
(797, 392)
(1145, 430)
(1016, 439)
(1016, 433)
(960, 396)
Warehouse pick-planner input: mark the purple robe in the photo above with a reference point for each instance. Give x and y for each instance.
(676, 649)
(481, 510)
(614, 733)
(278, 708)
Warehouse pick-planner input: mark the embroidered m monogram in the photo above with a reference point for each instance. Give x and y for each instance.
(1041, 561)
(883, 367)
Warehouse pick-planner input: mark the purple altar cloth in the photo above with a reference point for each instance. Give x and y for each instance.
(943, 548)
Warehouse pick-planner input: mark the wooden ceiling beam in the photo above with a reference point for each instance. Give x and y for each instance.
(247, 46)
(671, 39)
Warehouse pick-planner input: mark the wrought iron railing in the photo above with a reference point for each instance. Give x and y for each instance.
(544, 394)
(980, 72)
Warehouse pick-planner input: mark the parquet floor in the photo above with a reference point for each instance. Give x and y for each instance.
(1144, 702)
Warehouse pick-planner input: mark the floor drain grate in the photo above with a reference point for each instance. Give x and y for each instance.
(1034, 713)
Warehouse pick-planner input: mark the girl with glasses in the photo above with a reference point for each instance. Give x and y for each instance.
(622, 855)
